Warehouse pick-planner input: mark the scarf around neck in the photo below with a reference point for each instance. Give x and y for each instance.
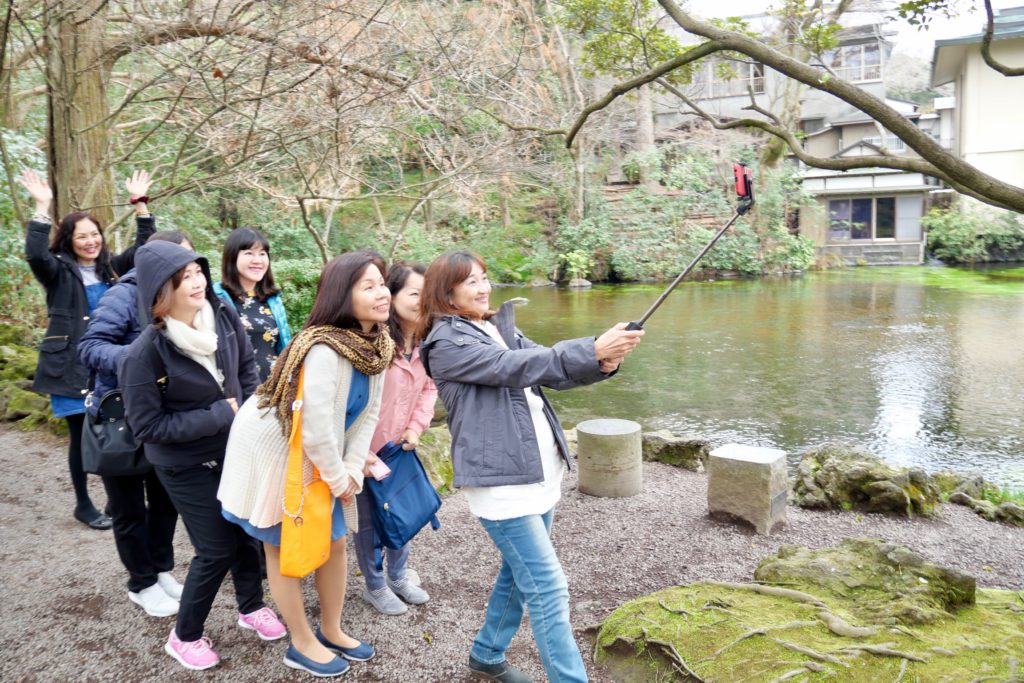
(198, 343)
(369, 352)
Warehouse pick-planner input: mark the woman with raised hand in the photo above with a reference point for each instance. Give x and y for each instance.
(247, 283)
(144, 517)
(182, 381)
(407, 407)
(509, 452)
(75, 268)
(342, 353)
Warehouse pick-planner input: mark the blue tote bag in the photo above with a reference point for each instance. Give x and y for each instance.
(403, 502)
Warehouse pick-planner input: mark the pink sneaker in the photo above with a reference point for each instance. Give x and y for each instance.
(264, 622)
(196, 654)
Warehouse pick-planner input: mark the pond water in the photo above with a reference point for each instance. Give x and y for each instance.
(923, 366)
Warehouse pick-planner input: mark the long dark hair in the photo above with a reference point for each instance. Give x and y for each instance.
(333, 303)
(63, 240)
(398, 275)
(238, 241)
(443, 275)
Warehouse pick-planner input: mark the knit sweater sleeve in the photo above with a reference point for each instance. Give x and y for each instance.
(326, 382)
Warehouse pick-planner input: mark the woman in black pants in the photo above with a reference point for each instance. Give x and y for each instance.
(144, 517)
(75, 268)
(182, 381)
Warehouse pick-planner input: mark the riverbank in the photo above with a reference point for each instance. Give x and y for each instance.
(67, 616)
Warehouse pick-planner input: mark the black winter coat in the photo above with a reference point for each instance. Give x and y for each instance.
(58, 370)
(187, 422)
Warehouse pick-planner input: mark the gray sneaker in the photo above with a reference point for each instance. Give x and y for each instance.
(408, 591)
(384, 601)
(498, 672)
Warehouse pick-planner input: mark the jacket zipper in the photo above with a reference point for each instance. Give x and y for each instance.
(56, 336)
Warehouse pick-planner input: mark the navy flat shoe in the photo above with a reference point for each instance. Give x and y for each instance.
(360, 653)
(296, 660)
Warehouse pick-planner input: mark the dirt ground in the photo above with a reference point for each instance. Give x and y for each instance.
(66, 615)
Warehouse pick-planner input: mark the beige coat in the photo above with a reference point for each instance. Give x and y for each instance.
(252, 485)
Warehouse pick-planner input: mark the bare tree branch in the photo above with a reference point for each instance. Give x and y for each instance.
(986, 46)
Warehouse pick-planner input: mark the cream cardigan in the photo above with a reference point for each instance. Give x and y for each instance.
(252, 484)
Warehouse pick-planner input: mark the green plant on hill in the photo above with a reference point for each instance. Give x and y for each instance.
(974, 236)
(577, 264)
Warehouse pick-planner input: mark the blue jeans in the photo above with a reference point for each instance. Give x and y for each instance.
(397, 560)
(530, 575)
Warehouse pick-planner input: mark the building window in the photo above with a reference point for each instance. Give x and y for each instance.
(892, 142)
(724, 78)
(862, 218)
(858, 63)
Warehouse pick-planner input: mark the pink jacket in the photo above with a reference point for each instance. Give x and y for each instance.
(407, 402)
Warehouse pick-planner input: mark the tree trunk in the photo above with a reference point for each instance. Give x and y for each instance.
(77, 130)
(645, 133)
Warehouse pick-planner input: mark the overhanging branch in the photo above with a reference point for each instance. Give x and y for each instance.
(986, 46)
(617, 91)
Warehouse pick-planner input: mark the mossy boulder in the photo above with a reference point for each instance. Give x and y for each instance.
(17, 362)
(890, 582)
(1007, 512)
(18, 404)
(805, 631)
(949, 482)
(435, 451)
(846, 477)
(679, 451)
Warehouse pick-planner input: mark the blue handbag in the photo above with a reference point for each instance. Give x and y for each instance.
(403, 502)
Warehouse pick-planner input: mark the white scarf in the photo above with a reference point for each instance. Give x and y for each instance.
(198, 343)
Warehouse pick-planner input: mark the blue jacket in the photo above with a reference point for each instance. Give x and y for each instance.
(114, 325)
(276, 309)
(493, 440)
(187, 422)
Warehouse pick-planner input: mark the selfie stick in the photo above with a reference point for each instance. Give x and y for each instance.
(745, 193)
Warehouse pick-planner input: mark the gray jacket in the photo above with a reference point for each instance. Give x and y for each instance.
(493, 441)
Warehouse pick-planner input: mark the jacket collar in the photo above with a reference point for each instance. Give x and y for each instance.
(504, 320)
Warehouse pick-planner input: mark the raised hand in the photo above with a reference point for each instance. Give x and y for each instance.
(616, 343)
(138, 184)
(38, 188)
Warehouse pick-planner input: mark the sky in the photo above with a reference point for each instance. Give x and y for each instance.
(908, 38)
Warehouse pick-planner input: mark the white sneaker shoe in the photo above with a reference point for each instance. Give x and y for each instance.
(154, 601)
(170, 585)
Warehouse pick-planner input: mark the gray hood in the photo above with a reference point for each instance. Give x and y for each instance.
(155, 264)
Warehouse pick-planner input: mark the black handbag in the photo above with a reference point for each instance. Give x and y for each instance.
(109, 448)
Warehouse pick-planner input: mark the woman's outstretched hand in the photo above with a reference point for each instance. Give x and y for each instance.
(138, 184)
(38, 188)
(612, 346)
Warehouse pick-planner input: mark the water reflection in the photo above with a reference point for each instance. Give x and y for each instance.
(908, 361)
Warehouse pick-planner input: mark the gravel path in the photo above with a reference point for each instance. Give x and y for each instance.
(66, 615)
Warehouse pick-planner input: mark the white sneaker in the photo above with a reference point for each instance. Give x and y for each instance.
(412, 577)
(170, 585)
(154, 601)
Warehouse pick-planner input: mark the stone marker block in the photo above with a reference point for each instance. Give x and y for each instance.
(610, 458)
(749, 483)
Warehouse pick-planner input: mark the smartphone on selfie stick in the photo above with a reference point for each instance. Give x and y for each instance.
(744, 178)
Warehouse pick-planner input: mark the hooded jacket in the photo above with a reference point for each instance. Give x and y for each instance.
(59, 370)
(114, 325)
(173, 405)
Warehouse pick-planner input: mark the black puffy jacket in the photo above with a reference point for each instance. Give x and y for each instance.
(187, 422)
(58, 370)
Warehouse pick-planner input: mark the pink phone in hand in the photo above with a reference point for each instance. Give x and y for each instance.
(379, 470)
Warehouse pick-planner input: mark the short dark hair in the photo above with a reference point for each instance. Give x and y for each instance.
(398, 275)
(63, 240)
(333, 303)
(174, 236)
(164, 299)
(238, 241)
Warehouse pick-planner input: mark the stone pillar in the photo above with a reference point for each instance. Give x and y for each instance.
(610, 458)
(748, 483)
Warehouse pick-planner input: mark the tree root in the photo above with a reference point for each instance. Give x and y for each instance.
(903, 670)
(810, 653)
(760, 632)
(841, 627)
(677, 659)
(674, 611)
(882, 651)
(798, 596)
